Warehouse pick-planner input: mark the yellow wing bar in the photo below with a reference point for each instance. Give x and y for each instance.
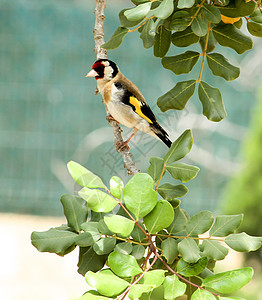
(137, 105)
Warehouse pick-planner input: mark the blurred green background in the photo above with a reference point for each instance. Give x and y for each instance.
(49, 114)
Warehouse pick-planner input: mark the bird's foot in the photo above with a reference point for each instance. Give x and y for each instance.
(121, 145)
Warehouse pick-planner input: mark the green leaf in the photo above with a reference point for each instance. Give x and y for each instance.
(86, 239)
(180, 147)
(182, 63)
(137, 2)
(184, 38)
(211, 43)
(245, 8)
(164, 10)
(104, 246)
(202, 295)
(97, 200)
(200, 223)
(160, 217)
(185, 3)
(137, 290)
(113, 287)
(103, 228)
(182, 172)
(226, 224)
(254, 29)
(154, 278)
(138, 251)
(138, 12)
(75, 210)
(125, 22)
(116, 39)
(178, 96)
(120, 225)
(123, 265)
(200, 25)
(180, 20)
(220, 66)
(169, 248)
(214, 250)
(91, 295)
(148, 33)
(125, 247)
(211, 99)
(191, 269)
(156, 167)
(116, 187)
(231, 298)
(212, 13)
(162, 41)
(229, 36)
(179, 222)
(90, 261)
(169, 191)
(139, 196)
(189, 250)
(174, 202)
(243, 242)
(230, 281)
(53, 240)
(84, 177)
(173, 287)
(256, 16)
(137, 234)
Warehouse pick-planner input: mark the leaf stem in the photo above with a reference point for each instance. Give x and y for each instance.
(196, 13)
(139, 26)
(204, 54)
(185, 237)
(161, 175)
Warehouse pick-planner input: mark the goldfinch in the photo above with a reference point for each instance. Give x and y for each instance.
(125, 102)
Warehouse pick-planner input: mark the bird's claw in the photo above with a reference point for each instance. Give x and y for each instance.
(121, 145)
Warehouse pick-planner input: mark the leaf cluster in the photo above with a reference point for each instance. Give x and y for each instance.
(135, 239)
(182, 23)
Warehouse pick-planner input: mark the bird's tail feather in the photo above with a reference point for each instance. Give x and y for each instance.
(163, 136)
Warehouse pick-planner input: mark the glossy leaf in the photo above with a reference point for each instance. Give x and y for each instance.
(116, 39)
(220, 66)
(138, 251)
(156, 167)
(182, 172)
(125, 22)
(211, 13)
(211, 99)
(182, 63)
(137, 234)
(173, 287)
(86, 239)
(255, 29)
(75, 211)
(148, 33)
(180, 147)
(139, 195)
(229, 36)
(211, 43)
(104, 245)
(53, 240)
(245, 8)
(162, 41)
(200, 25)
(184, 38)
(179, 222)
(202, 295)
(169, 191)
(154, 277)
(84, 177)
(256, 16)
(97, 200)
(180, 20)
(230, 281)
(191, 269)
(125, 247)
(189, 250)
(102, 227)
(178, 96)
(214, 250)
(116, 187)
(226, 224)
(169, 248)
(160, 217)
(113, 287)
(185, 3)
(164, 9)
(119, 224)
(91, 295)
(123, 265)
(138, 12)
(243, 242)
(200, 223)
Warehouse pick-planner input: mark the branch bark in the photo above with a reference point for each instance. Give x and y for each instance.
(102, 53)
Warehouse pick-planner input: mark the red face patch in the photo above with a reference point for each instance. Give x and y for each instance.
(99, 68)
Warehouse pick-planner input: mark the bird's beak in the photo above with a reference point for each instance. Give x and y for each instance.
(92, 73)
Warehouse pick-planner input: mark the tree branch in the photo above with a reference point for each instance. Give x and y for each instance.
(102, 53)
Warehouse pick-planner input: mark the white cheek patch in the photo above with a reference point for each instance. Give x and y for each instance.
(108, 71)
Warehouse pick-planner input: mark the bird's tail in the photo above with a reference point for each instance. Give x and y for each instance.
(162, 134)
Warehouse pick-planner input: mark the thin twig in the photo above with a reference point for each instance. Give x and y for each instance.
(102, 53)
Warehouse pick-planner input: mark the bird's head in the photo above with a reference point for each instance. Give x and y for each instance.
(103, 69)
